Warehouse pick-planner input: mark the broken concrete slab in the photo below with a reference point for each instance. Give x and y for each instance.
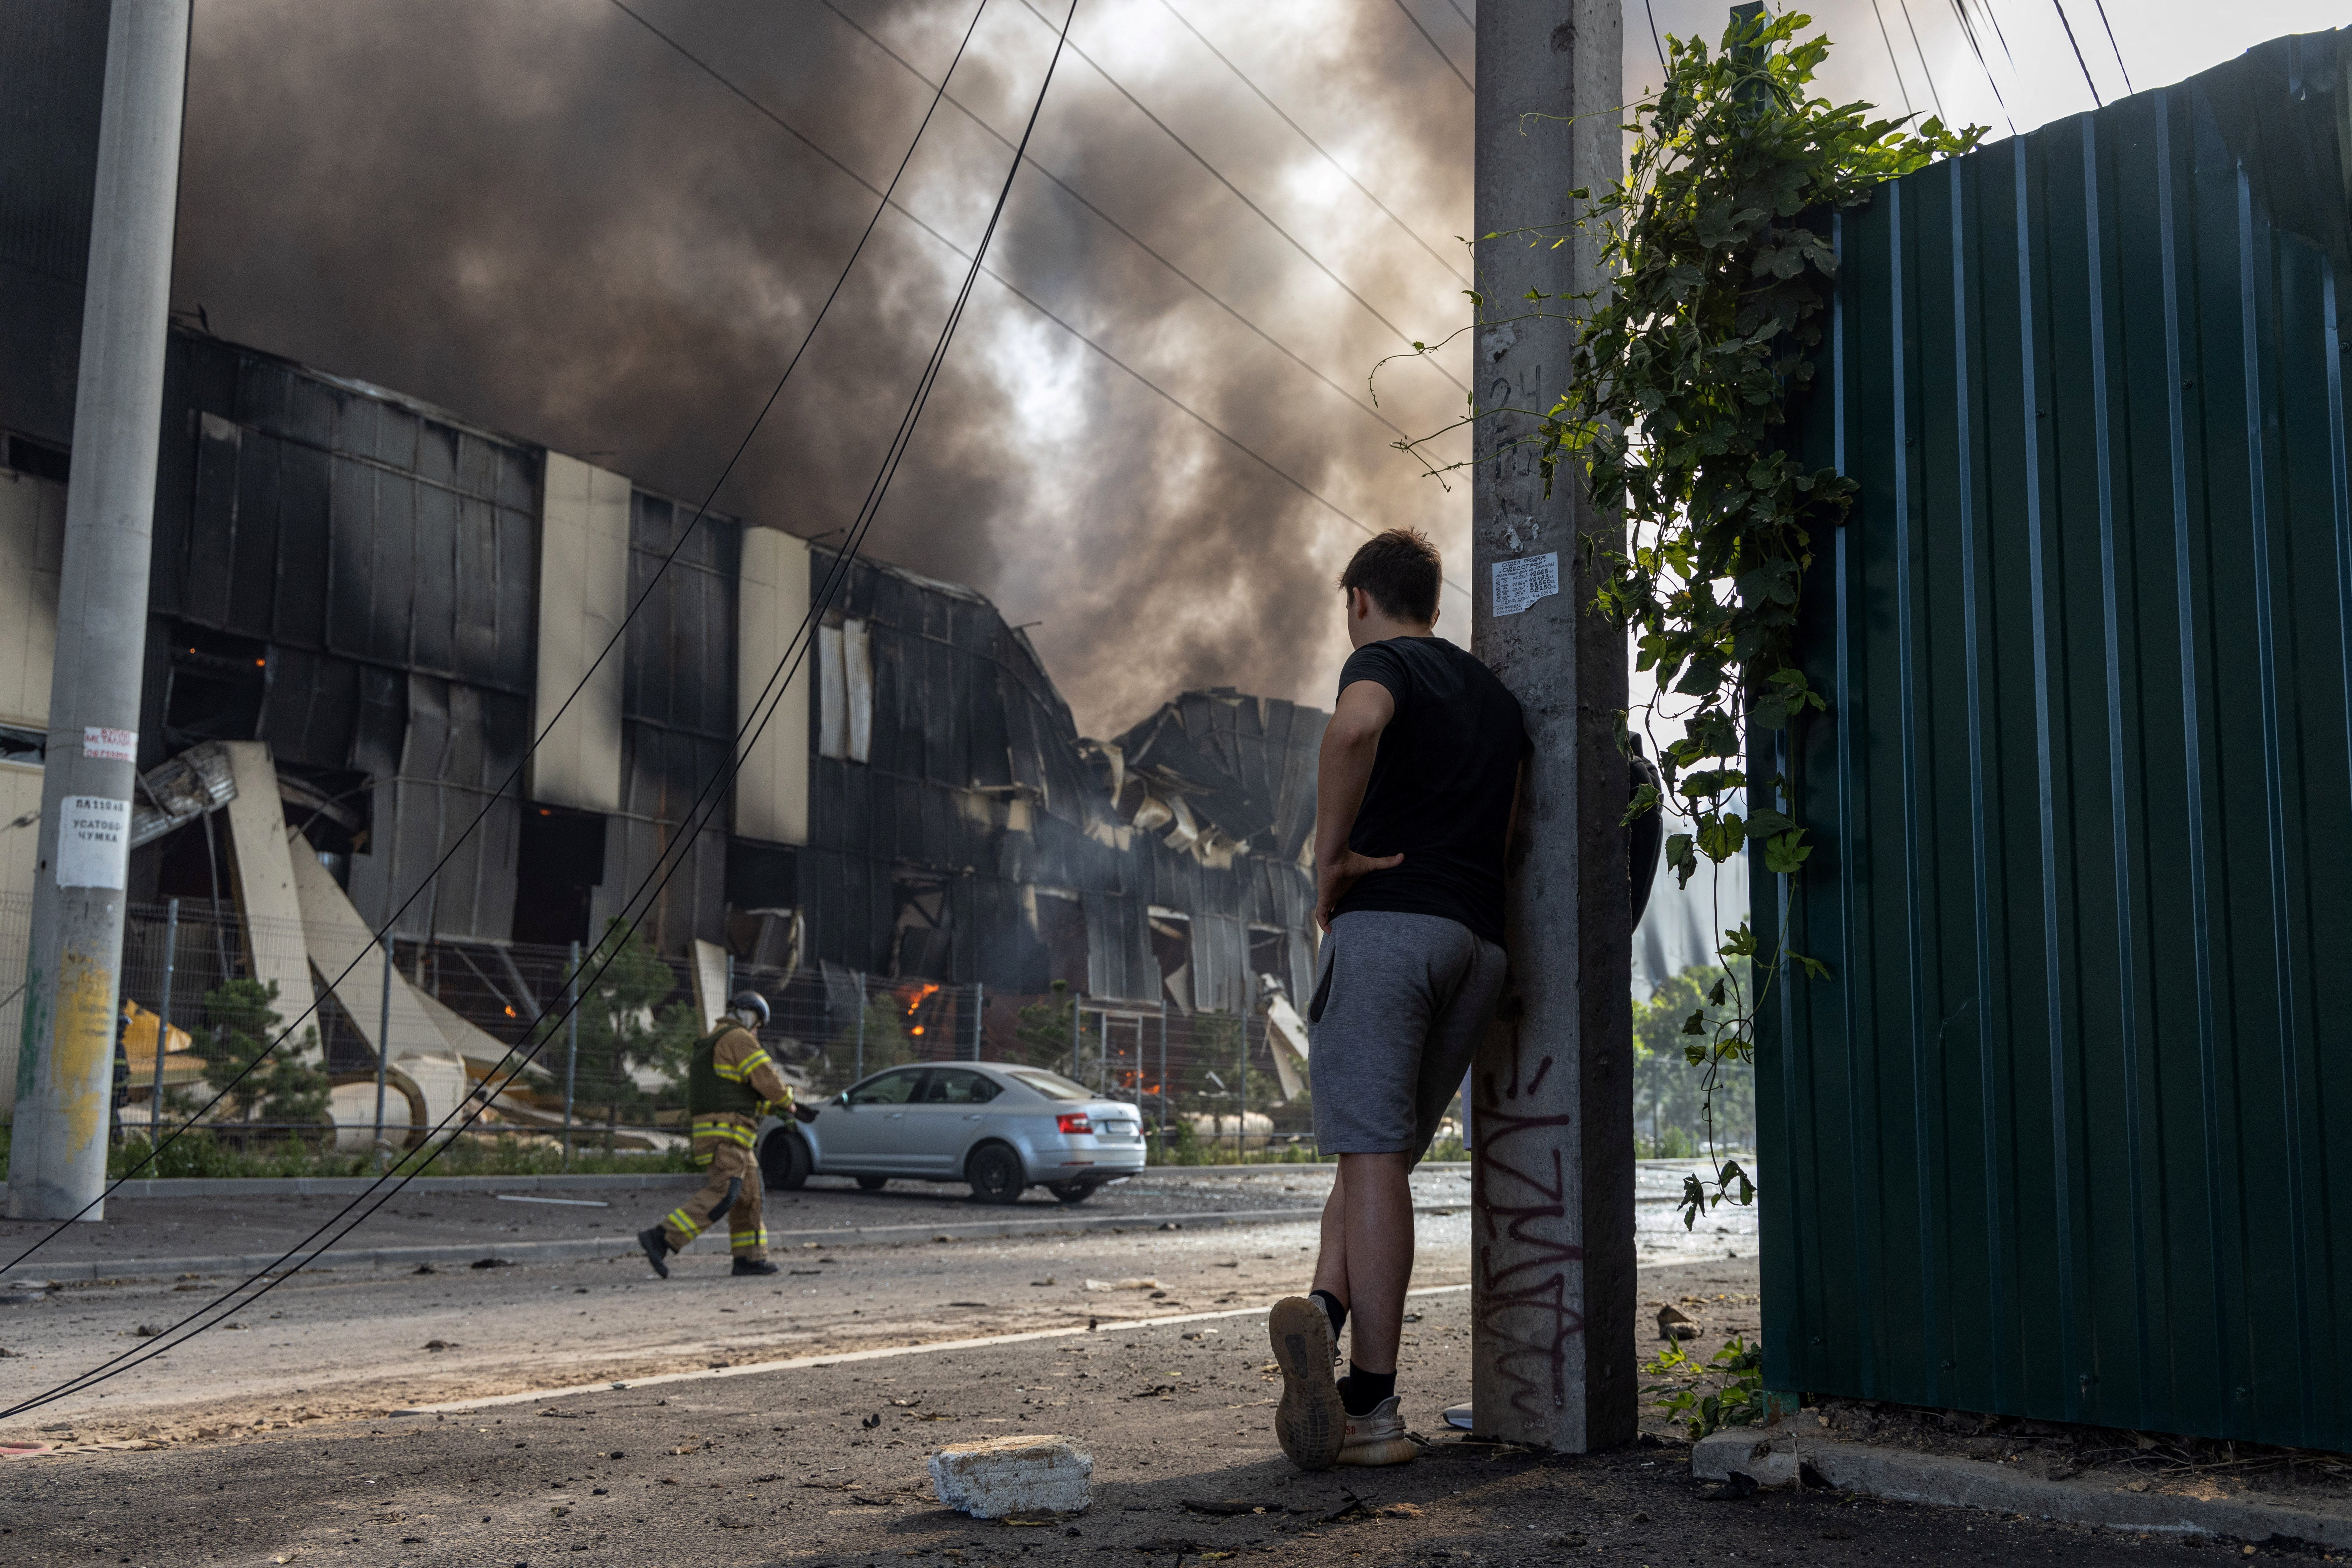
(1897, 1475)
(1003, 1477)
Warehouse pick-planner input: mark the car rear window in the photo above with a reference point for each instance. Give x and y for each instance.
(1052, 1085)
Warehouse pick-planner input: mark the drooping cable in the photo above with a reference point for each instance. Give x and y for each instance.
(1925, 68)
(1884, 37)
(1242, 77)
(1435, 47)
(1122, 229)
(513, 778)
(1219, 176)
(1976, 47)
(2060, 5)
(2118, 48)
(1271, 467)
(1654, 42)
(708, 800)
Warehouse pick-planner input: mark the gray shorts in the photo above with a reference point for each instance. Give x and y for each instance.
(1401, 1003)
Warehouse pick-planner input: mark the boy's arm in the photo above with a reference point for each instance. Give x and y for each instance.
(1343, 771)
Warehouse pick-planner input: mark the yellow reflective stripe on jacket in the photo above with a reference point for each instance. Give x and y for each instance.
(733, 1131)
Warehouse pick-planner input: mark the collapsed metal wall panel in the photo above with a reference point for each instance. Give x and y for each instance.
(384, 555)
(461, 744)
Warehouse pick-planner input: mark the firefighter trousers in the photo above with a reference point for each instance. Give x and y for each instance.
(730, 1161)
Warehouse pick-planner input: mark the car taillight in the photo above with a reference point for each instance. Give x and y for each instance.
(1075, 1121)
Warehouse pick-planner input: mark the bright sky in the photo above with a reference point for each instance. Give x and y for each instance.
(2160, 41)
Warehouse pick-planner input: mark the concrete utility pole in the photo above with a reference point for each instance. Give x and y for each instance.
(57, 1164)
(1553, 1288)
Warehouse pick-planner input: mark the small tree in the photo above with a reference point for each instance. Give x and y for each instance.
(620, 1029)
(1041, 1032)
(278, 1086)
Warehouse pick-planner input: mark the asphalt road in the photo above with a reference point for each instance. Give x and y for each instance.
(822, 1468)
(138, 1235)
(343, 1343)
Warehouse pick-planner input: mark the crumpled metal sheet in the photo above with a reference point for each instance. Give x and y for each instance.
(181, 790)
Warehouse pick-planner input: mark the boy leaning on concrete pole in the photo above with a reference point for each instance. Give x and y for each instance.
(1415, 791)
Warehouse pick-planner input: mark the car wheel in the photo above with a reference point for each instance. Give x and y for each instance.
(1071, 1192)
(995, 1174)
(783, 1162)
(873, 1184)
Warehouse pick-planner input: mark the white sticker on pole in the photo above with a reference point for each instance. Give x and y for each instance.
(93, 842)
(1519, 584)
(110, 745)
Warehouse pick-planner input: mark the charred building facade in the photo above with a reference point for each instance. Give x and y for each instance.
(397, 601)
(363, 608)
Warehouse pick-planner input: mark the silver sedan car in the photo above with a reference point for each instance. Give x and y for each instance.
(1002, 1128)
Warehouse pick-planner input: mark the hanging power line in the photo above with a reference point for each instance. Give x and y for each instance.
(1042, 310)
(1654, 44)
(2112, 44)
(1926, 69)
(1310, 141)
(1218, 174)
(1131, 235)
(2085, 65)
(1976, 47)
(708, 800)
(513, 778)
(1889, 42)
(1435, 47)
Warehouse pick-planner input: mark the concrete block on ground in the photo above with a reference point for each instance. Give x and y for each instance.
(1899, 1475)
(1008, 1477)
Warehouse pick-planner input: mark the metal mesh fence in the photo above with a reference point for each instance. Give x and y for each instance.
(1209, 1085)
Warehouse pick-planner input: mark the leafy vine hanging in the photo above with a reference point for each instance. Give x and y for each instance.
(1720, 270)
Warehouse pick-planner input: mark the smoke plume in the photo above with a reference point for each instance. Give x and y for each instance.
(541, 217)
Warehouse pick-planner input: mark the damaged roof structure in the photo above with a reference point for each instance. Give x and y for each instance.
(393, 601)
(362, 607)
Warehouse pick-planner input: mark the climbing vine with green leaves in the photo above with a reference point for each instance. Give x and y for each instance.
(1720, 267)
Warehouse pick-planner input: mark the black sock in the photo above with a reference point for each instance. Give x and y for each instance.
(1361, 1391)
(1333, 1309)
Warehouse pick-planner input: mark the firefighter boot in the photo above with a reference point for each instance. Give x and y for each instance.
(657, 1249)
(744, 1266)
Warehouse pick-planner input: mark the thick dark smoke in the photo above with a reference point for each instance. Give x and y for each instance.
(538, 216)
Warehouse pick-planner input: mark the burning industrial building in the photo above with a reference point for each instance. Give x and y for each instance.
(363, 608)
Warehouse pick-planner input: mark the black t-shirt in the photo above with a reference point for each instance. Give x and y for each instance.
(1441, 787)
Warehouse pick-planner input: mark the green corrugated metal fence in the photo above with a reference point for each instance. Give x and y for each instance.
(2056, 1137)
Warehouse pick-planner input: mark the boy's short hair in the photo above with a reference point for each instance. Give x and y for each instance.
(1401, 570)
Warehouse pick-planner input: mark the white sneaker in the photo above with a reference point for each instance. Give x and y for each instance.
(1310, 1420)
(1379, 1437)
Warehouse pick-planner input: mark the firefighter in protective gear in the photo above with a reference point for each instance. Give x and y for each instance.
(730, 1083)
